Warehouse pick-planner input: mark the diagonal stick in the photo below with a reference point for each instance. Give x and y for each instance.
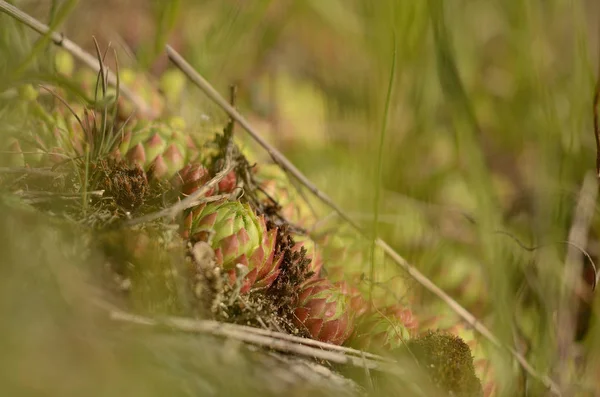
(187, 202)
(283, 162)
(235, 115)
(246, 334)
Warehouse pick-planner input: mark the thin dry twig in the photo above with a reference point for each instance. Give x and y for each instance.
(210, 199)
(271, 334)
(283, 162)
(469, 318)
(60, 40)
(277, 157)
(316, 344)
(248, 335)
(188, 202)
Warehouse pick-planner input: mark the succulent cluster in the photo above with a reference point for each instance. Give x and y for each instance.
(243, 245)
(324, 310)
(157, 147)
(256, 238)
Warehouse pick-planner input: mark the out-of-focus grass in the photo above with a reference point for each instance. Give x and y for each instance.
(55, 343)
(513, 162)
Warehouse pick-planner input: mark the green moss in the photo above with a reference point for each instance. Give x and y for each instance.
(448, 361)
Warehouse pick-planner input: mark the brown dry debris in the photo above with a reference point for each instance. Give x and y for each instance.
(294, 269)
(127, 185)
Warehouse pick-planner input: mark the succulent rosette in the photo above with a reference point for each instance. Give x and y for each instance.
(275, 183)
(240, 239)
(324, 311)
(347, 259)
(358, 304)
(264, 264)
(156, 146)
(28, 150)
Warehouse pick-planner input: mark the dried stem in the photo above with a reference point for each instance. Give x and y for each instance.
(60, 40)
(234, 114)
(283, 162)
(271, 339)
(190, 201)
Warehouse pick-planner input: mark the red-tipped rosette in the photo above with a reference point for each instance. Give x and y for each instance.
(323, 310)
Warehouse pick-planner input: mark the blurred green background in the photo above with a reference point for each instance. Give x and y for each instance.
(488, 138)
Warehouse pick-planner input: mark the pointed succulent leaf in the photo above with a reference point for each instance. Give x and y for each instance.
(265, 261)
(137, 155)
(64, 62)
(159, 168)
(173, 160)
(191, 178)
(358, 304)
(156, 145)
(227, 184)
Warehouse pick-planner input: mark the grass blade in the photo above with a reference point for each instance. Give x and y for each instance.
(377, 184)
